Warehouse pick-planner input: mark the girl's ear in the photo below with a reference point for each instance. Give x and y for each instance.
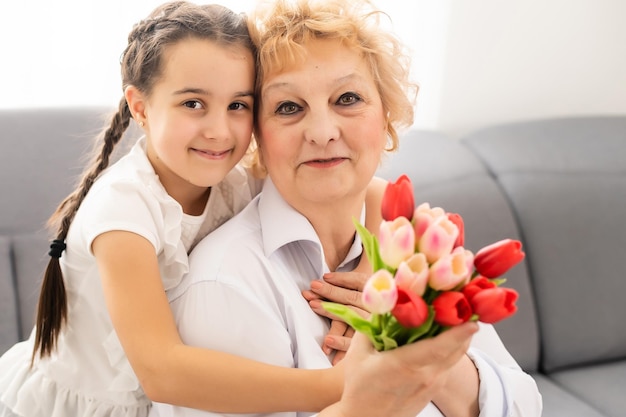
(136, 104)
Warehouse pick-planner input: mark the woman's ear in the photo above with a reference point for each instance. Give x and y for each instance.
(136, 103)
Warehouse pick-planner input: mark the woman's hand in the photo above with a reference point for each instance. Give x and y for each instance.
(402, 381)
(339, 287)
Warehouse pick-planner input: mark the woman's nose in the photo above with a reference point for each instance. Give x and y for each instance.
(322, 127)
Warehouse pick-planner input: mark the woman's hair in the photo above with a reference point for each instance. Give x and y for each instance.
(282, 29)
(141, 66)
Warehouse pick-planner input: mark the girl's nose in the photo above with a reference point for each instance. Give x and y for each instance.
(216, 125)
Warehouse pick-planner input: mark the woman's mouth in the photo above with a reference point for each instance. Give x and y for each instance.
(324, 163)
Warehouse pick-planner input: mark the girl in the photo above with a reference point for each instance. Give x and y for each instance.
(105, 342)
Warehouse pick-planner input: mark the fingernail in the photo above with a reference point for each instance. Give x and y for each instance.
(315, 303)
(316, 285)
(328, 340)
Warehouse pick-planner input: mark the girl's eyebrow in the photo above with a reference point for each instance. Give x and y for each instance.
(203, 92)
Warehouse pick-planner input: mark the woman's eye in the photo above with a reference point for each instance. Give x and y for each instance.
(193, 104)
(288, 107)
(348, 98)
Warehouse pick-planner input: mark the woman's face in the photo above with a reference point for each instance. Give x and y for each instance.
(321, 126)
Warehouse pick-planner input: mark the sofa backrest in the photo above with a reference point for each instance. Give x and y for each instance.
(566, 181)
(445, 173)
(43, 152)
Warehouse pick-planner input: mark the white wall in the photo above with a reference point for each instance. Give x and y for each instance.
(478, 62)
(511, 60)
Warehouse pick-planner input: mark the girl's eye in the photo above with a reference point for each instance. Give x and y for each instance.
(348, 98)
(237, 106)
(193, 104)
(288, 107)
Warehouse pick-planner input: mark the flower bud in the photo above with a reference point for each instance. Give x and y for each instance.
(494, 304)
(458, 221)
(451, 308)
(496, 259)
(380, 292)
(410, 310)
(438, 239)
(451, 270)
(396, 241)
(398, 199)
(412, 274)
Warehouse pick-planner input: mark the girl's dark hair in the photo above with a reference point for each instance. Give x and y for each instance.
(141, 66)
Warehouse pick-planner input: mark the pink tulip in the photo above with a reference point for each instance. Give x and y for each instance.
(398, 199)
(396, 241)
(380, 292)
(423, 216)
(412, 274)
(410, 310)
(438, 239)
(458, 221)
(496, 259)
(451, 270)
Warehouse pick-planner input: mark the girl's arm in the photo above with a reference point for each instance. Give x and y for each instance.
(171, 372)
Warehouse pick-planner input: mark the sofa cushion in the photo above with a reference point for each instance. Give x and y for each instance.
(568, 194)
(560, 402)
(9, 329)
(446, 174)
(48, 152)
(31, 258)
(602, 386)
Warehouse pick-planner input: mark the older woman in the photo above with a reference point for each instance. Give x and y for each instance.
(331, 93)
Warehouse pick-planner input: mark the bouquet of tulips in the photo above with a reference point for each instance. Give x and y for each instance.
(424, 280)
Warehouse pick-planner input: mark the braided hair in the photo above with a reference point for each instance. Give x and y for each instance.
(141, 67)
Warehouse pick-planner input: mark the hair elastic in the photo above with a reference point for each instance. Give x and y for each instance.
(56, 248)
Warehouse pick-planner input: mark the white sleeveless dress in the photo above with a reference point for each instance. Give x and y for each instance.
(89, 375)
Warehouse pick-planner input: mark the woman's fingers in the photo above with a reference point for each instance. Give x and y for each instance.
(342, 287)
(349, 280)
(338, 343)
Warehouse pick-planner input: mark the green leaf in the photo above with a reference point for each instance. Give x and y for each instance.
(351, 317)
(388, 343)
(370, 328)
(370, 245)
(498, 281)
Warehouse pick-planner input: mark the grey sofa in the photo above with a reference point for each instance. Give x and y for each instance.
(558, 185)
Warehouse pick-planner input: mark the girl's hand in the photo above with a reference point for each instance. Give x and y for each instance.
(339, 287)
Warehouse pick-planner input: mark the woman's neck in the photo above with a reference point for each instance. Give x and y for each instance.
(334, 226)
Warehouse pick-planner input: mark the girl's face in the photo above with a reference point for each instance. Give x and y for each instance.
(322, 130)
(198, 119)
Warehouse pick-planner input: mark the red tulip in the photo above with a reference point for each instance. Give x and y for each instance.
(451, 308)
(398, 199)
(494, 304)
(458, 221)
(477, 285)
(410, 310)
(494, 260)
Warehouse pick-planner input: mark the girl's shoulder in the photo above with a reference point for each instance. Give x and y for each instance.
(242, 183)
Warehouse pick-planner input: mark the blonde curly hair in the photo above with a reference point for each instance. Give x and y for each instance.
(281, 30)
